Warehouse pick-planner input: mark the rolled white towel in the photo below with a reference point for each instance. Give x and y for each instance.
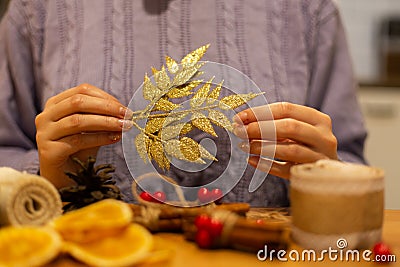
(27, 199)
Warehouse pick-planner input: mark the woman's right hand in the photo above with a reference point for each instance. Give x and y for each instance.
(75, 123)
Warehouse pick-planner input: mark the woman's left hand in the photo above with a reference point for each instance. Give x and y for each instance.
(302, 134)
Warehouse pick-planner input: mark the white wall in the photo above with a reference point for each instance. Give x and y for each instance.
(381, 108)
(362, 20)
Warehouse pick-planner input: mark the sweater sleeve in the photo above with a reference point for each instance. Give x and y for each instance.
(17, 94)
(333, 87)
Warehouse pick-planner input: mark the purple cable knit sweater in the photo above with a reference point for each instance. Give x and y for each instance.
(295, 50)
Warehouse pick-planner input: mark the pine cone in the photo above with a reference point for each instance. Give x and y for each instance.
(92, 184)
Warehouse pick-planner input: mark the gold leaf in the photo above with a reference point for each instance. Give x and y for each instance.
(219, 119)
(198, 74)
(205, 154)
(157, 153)
(191, 85)
(150, 91)
(154, 125)
(172, 148)
(234, 101)
(165, 105)
(173, 117)
(186, 128)
(193, 57)
(171, 131)
(184, 75)
(154, 70)
(173, 67)
(183, 91)
(189, 148)
(141, 143)
(177, 92)
(201, 95)
(201, 64)
(162, 79)
(200, 121)
(150, 141)
(214, 95)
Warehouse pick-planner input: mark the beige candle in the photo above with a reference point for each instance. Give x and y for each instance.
(332, 201)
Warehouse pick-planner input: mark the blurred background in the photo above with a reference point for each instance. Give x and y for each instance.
(373, 30)
(3, 5)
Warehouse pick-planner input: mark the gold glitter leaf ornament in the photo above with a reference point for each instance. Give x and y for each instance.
(162, 79)
(235, 101)
(214, 95)
(193, 57)
(171, 131)
(157, 153)
(164, 105)
(200, 97)
(163, 136)
(154, 125)
(170, 148)
(142, 143)
(184, 75)
(173, 67)
(200, 121)
(183, 91)
(189, 148)
(149, 90)
(219, 119)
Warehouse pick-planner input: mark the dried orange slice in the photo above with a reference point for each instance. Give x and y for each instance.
(28, 246)
(130, 246)
(96, 221)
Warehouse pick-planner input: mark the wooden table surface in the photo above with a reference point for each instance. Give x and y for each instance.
(187, 254)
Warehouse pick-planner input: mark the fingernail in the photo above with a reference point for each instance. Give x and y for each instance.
(126, 112)
(114, 137)
(240, 118)
(244, 146)
(125, 124)
(240, 131)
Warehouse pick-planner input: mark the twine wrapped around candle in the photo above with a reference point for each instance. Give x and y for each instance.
(333, 200)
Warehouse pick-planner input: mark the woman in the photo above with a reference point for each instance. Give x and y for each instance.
(56, 55)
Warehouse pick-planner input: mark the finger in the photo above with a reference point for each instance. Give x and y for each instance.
(289, 151)
(80, 103)
(295, 130)
(260, 113)
(280, 169)
(281, 110)
(77, 142)
(84, 89)
(79, 123)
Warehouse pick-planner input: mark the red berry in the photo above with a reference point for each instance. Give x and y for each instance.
(146, 196)
(259, 221)
(159, 197)
(203, 195)
(215, 194)
(382, 250)
(202, 221)
(215, 228)
(203, 238)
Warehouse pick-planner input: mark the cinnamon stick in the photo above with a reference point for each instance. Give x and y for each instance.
(169, 218)
(247, 235)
